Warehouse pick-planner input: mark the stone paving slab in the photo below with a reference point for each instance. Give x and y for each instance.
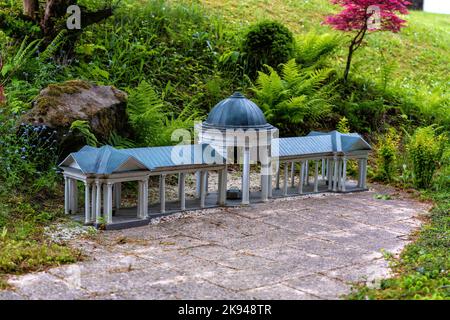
(310, 247)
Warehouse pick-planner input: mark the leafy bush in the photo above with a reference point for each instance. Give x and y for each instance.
(387, 149)
(343, 126)
(266, 43)
(298, 99)
(425, 148)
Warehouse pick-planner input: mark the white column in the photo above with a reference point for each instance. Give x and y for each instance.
(93, 201)
(265, 169)
(335, 173)
(181, 190)
(277, 186)
(67, 195)
(302, 177)
(292, 174)
(360, 173)
(316, 176)
(246, 177)
(306, 173)
(323, 169)
(206, 183)
(222, 198)
(197, 183)
(339, 186)
(203, 177)
(364, 174)
(98, 205)
(286, 178)
(74, 200)
(162, 192)
(117, 195)
(145, 199)
(108, 203)
(344, 174)
(269, 176)
(139, 200)
(330, 165)
(87, 203)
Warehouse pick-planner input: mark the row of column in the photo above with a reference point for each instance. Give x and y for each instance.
(333, 170)
(101, 197)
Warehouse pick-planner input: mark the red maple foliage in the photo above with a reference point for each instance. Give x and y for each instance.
(367, 15)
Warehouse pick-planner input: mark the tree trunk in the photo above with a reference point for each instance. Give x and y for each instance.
(30, 8)
(54, 9)
(349, 61)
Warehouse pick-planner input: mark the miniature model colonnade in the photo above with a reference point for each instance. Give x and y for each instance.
(234, 126)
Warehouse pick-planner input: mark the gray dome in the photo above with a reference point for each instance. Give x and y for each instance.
(236, 112)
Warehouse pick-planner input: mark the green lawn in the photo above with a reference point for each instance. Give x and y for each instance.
(421, 51)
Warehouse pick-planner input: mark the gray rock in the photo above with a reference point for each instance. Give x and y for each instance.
(58, 105)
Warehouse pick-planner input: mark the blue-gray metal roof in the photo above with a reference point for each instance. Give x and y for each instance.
(236, 112)
(321, 142)
(104, 160)
(107, 160)
(303, 146)
(180, 155)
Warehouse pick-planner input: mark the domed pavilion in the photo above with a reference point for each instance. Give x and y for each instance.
(237, 129)
(235, 132)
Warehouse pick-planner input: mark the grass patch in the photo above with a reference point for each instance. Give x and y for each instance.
(423, 268)
(23, 245)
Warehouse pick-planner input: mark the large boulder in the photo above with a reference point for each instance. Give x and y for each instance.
(58, 105)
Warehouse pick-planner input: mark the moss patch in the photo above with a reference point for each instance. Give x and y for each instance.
(67, 87)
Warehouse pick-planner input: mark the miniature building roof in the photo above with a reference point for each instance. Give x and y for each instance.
(321, 143)
(344, 142)
(108, 160)
(237, 112)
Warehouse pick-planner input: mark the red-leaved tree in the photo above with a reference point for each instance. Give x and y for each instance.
(362, 16)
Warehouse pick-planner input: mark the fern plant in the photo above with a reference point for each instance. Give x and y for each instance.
(119, 142)
(296, 100)
(53, 47)
(83, 127)
(150, 118)
(313, 49)
(14, 63)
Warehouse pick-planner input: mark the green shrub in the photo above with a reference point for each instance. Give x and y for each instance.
(442, 178)
(386, 150)
(343, 126)
(296, 100)
(266, 43)
(425, 148)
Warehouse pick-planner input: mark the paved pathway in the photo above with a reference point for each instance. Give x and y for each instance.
(293, 248)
